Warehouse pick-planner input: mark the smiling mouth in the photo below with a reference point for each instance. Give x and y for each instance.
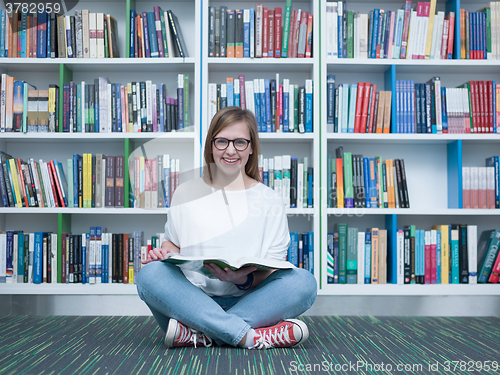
(230, 161)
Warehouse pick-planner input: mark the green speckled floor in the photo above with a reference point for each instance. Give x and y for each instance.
(342, 345)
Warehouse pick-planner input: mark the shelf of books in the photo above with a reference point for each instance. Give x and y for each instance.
(409, 129)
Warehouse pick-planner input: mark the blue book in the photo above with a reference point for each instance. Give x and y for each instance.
(305, 252)
(286, 109)
(20, 257)
(153, 41)
(268, 106)
(376, 16)
(310, 187)
(133, 32)
(368, 257)
(41, 45)
(49, 30)
(417, 253)
(421, 257)
(372, 191)
(263, 106)
(246, 33)
(145, 34)
(411, 88)
(79, 107)
(2, 32)
(406, 111)
(366, 175)
(418, 124)
(230, 93)
(84, 260)
(370, 34)
(311, 252)
(24, 34)
(484, 49)
(252, 32)
(340, 30)
(119, 108)
(493, 161)
(345, 107)
(444, 109)
(38, 258)
(293, 249)
(256, 96)
(309, 106)
(76, 202)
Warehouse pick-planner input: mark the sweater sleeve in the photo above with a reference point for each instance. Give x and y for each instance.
(170, 232)
(277, 230)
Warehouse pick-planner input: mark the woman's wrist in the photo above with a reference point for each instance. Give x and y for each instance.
(248, 284)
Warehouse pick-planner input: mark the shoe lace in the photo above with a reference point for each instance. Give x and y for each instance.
(190, 335)
(271, 337)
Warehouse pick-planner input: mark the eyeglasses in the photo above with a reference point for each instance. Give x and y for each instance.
(240, 144)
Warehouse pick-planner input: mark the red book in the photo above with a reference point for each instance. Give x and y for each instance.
(427, 250)
(359, 105)
(265, 31)
(473, 97)
(309, 36)
(293, 15)
(243, 103)
(56, 182)
(364, 109)
(489, 86)
(482, 107)
(371, 121)
(433, 257)
(277, 31)
(451, 34)
(270, 20)
(495, 271)
(444, 40)
(296, 32)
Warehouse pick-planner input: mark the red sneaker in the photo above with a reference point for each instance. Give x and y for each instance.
(179, 335)
(285, 334)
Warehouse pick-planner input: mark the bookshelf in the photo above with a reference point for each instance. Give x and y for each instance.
(432, 159)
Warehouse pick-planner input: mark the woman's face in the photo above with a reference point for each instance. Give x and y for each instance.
(231, 161)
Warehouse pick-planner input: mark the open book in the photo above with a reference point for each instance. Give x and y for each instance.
(196, 263)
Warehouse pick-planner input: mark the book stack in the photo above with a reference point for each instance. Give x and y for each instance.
(143, 106)
(356, 257)
(478, 36)
(383, 34)
(290, 179)
(32, 183)
(301, 250)
(155, 34)
(278, 106)
(357, 108)
(48, 34)
(480, 185)
(488, 257)
(357, 181)
(260, 32)
(88, 258)
(153, 181)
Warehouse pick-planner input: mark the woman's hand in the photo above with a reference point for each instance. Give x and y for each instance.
(159, 254)
(236, 277)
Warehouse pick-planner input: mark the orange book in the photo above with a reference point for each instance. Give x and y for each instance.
(15, 20)
(390, 183)
(125, 258)
(462, 33)
(359, 105)
(387, 112)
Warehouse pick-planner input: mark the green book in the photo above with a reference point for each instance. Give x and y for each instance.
(348, 184)
(352, 256)
(286, 28)
(488, 33)
(342, 229)
(350, 34)
(487, 252)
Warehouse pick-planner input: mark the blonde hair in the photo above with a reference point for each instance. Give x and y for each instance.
(224, 118)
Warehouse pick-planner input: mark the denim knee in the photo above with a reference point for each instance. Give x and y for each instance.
(305, 284)
(151, 274)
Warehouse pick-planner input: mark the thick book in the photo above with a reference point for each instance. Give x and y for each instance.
(176, 32)
(190, 263)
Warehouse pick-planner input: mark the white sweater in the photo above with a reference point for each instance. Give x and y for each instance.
(253, 223)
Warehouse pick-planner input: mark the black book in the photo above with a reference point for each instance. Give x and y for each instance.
(158, 107)
(405, 187)
(407, 266)
(31, 183)
(119, 263)
(336, 110)
(219, 107)
(175, 115)
(176, 32)
(293, 183)
(402, 203)
(432, 104)
(48, 260)
(53, 39)
(217, 32)
(412, 254)
(114, 115)
(273, 105)
(114, 259)
(238, 34)
(57, 108)
(223, 33)
(79, 259)
(168, 116)
(211, 31)
(73, 35)
(362, 188)
(96, 106)
(230, 30)
(333, 191)
(80, 182)
(71, 260)
(463, 255)
(384, 185)
(5, 159)
(93, 181)
(355, 185)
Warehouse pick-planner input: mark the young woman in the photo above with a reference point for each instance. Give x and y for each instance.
(230, 214)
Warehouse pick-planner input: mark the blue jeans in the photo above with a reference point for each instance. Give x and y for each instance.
(284, 294)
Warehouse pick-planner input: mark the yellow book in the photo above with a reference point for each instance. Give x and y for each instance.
(15, 181)
(445, 252)
(430, 29)
(375, 253)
